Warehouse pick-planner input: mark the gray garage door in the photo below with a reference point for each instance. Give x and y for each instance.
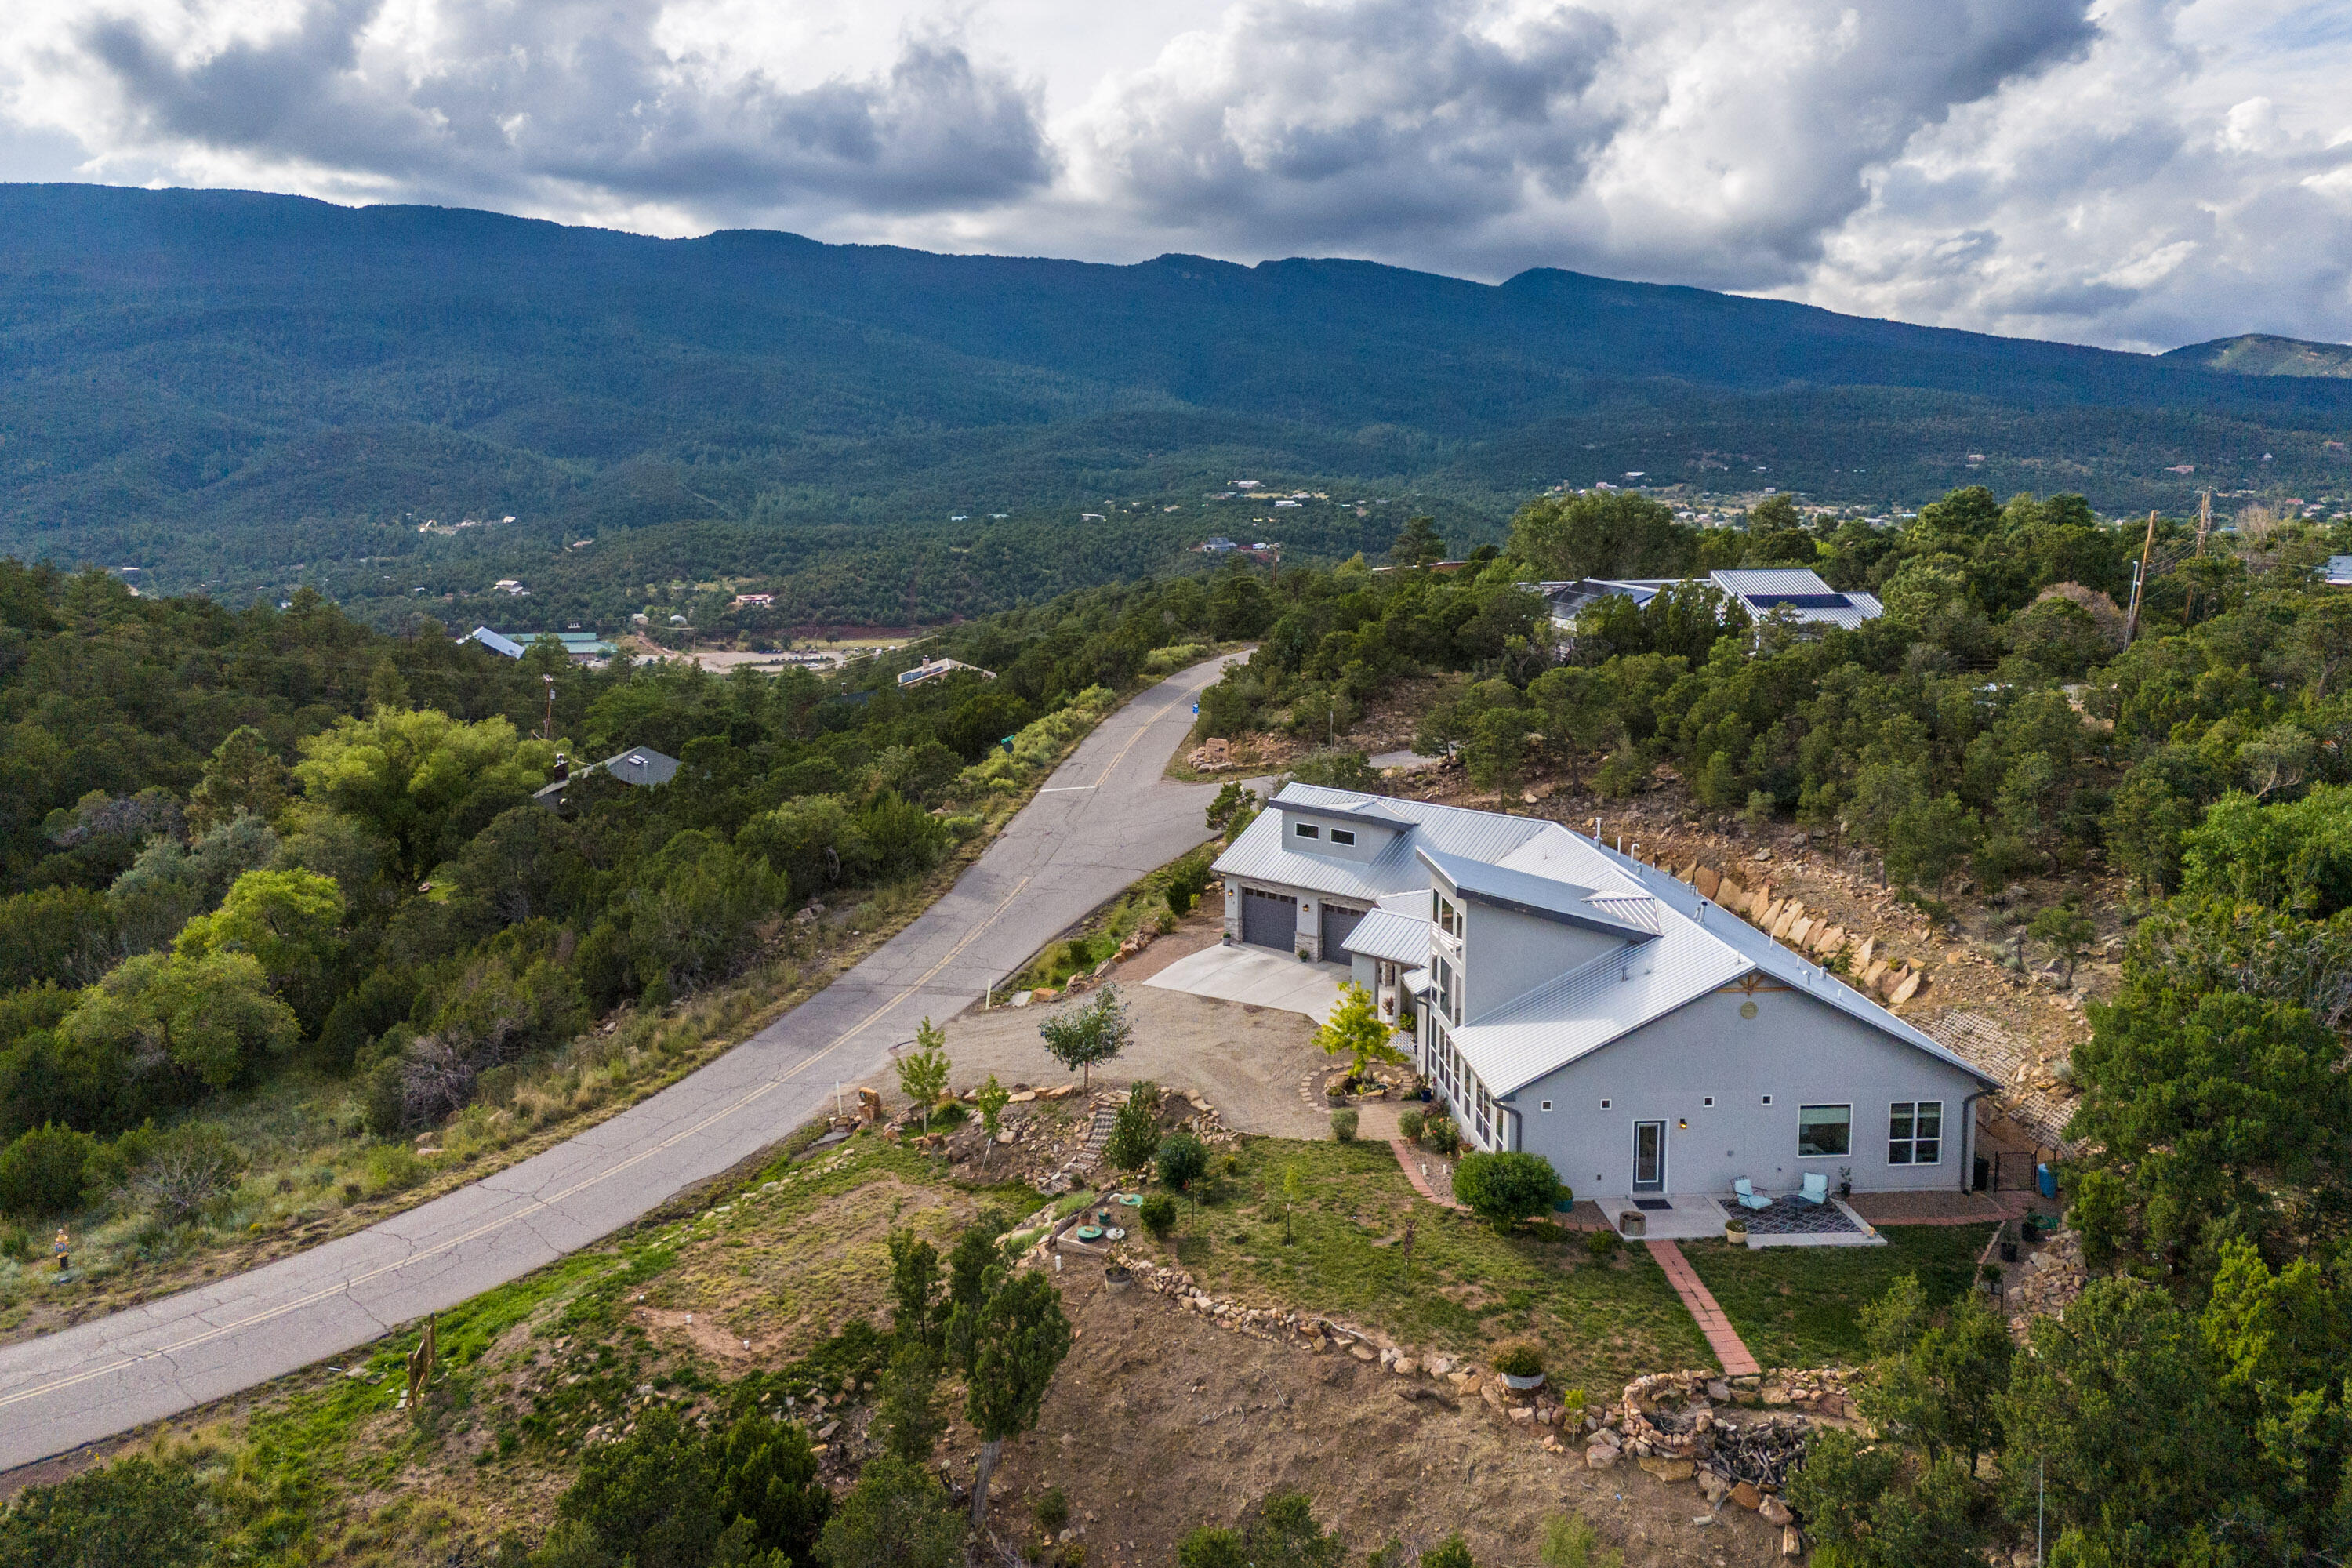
(1338, 922)
(1269, 920)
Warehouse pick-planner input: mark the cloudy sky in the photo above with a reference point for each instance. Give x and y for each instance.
(2123, 171)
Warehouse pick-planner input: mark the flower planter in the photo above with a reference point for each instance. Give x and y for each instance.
(1633, 1222)
(1117, 1278)
(1736, 1233)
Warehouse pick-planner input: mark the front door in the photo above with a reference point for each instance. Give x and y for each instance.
(1648, 1156)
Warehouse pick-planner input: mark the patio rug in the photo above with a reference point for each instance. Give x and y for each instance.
(1792, 1215)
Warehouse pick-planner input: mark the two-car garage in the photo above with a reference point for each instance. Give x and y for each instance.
(1271, 919)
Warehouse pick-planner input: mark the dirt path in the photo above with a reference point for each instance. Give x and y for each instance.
(1158, 1423)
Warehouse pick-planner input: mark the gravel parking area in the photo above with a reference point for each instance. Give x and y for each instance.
(1247, 1062)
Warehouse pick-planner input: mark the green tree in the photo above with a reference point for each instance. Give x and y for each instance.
(992, 1100)
(182, 1174)
(421, 781)
(923, 1071)
(2115, 1408)
(1417, 544)
(910, 1415)
(1608, 535)
(1868, 1508)
(1135, 1136)
(1017, 1344)
(130, 1513)
(242, 775)
(1570, 1541)
(1927, 840)
(211, 1016)
(897, 1516)
(1095, 1030)
(917, 1291)
(650, 1498)
(2145, 825)
(2215, 1116)
(2066, 931)
(47, 1171)
(1182, 1160)
(765, 1480)
(289, 921)
(1505, 1188)
(1936, 1383)
(1356, 1030)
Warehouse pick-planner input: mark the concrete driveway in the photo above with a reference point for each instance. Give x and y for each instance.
(1256, 975)
(1107, 816)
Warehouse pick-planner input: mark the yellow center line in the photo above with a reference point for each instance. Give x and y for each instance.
(538, 1205)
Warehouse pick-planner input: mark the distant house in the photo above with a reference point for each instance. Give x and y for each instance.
(497, 642)
(2338, 571)
(933, 670)
(755, 601)
(639, 766)
(1759, 591)
(1220, 545)
(581, 647)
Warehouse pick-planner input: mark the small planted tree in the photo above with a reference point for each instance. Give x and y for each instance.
(1093, 1031)
(1135, 1137)
(1182, 1160)
(1017, 1344)
(923, 1071)
(915, 1287)
(2066, 932)
(992, 1100)
(1357, 1031)
(1505, 1188)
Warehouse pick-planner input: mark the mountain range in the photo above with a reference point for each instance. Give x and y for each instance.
(239, 391)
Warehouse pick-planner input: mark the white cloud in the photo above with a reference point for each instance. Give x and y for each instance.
(2133, 172)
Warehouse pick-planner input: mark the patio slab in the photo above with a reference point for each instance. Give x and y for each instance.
(1258, 976)
(1688, 1216)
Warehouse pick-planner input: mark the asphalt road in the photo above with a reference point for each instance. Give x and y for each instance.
(1103, 819)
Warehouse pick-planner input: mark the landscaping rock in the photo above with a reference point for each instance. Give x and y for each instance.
(1600, 1457)
(1774, 1511)
(1667, 1469)
(1793, 1542)
(1745, 1496)
(1712, 1487)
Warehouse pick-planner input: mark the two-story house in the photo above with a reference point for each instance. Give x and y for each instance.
(1578, 1005)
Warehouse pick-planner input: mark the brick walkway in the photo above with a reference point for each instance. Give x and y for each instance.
(1721, 1337)
(1409, 1158)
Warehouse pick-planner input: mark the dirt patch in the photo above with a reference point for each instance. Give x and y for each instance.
(1158, 1422)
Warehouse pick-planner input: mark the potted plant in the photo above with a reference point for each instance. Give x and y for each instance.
(1520, 1368)
(1845, 1181)
(1633, 1222)
(1735, 1230)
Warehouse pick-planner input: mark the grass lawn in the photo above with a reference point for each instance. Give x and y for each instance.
(1801, 1306)
(1601, 1321)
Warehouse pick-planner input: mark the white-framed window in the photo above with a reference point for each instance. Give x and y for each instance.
(1768, 1099)
(1446, 913)
(1824, 1131)
(1604, 1105)
(1343, 836)
(1305, 830)
(1709, 1102)
(1545, 1103)
(1915, 1132)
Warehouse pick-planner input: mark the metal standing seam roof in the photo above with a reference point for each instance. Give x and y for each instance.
(1261, 855)
(641, 765)
(497, 642)
(1815, 602)
(1386, 934)
(1541, 896)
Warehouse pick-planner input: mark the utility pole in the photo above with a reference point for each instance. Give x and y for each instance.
(2204, 527)
(2140, 581)
(549, 733)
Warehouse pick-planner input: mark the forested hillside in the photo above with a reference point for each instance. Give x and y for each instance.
(249, 392)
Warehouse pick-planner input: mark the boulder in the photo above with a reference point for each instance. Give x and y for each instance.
(1774, 1511)
(1745, 1496)
(1600, 1457)
(1667, 1469)
(1713, 1487)
(1793, 1542)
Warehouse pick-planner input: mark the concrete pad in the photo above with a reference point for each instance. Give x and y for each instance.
(1258, 976)
(1694, 1216)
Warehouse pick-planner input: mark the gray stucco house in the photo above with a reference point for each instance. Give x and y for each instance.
(1578, 1005)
